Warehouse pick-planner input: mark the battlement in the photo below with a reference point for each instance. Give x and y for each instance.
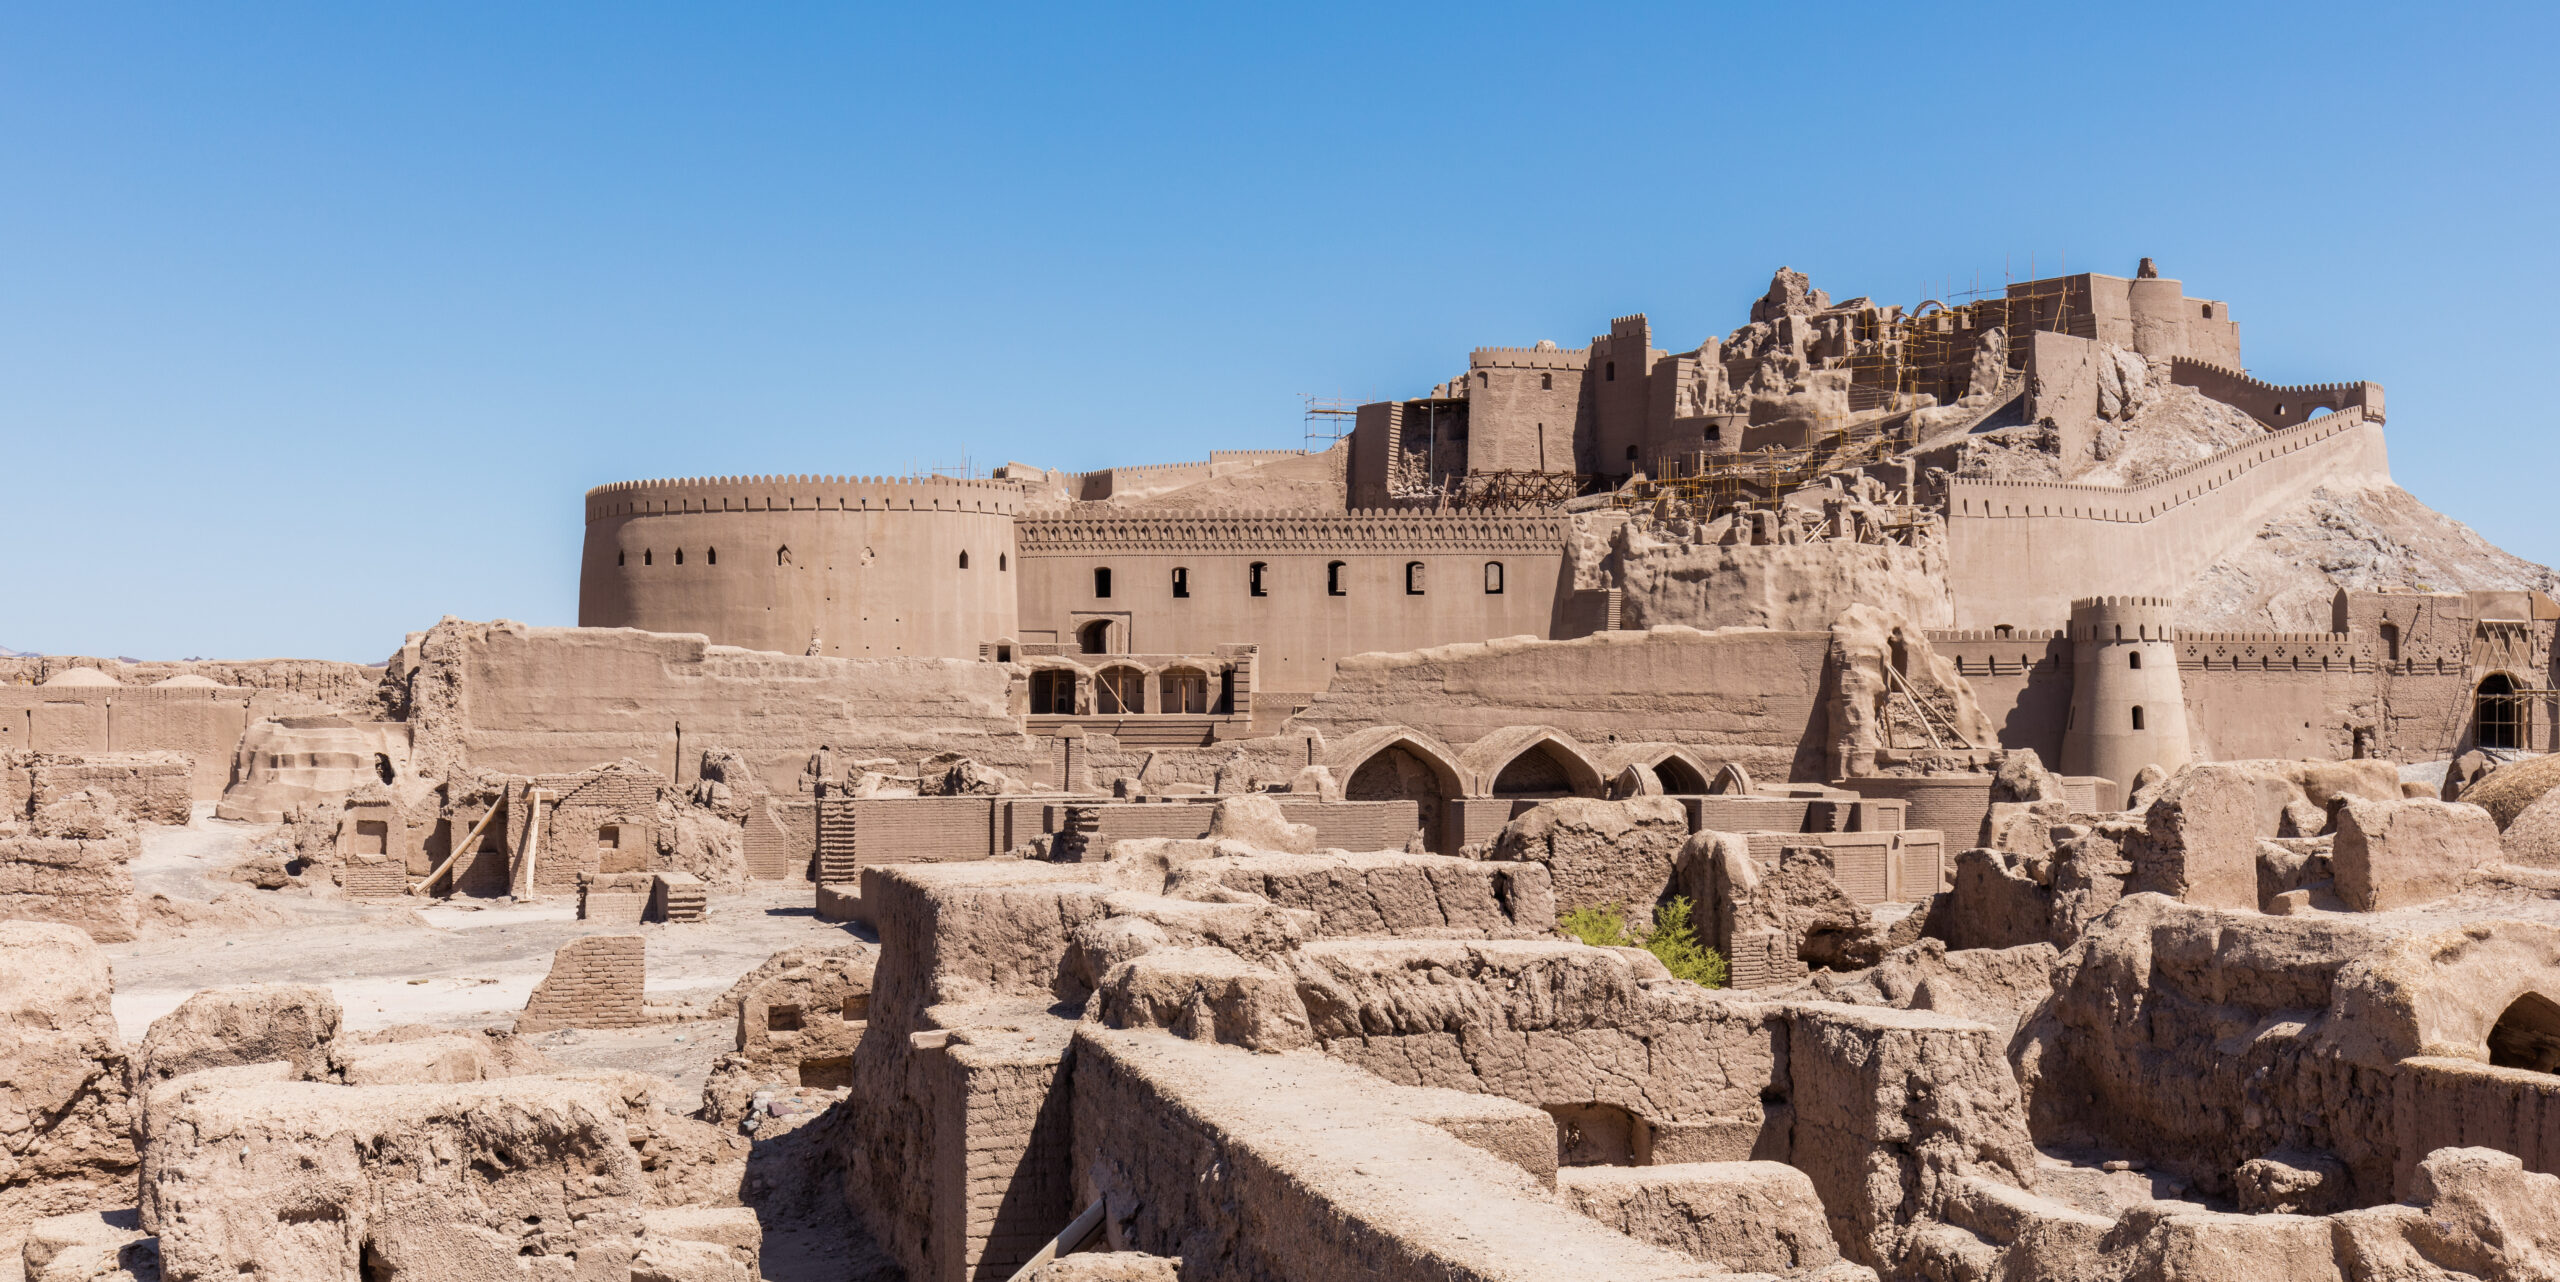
(1573, 358)
(2270, 403)
(1063, 532)
(1967, 636)
(795, 493)
(1968, 497)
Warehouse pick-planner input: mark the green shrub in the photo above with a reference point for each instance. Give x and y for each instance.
(1674, 938)
(1598, 927)
(1675, 941)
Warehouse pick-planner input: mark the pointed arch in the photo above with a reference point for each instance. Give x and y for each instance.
(1529, 761)
(1398, 763)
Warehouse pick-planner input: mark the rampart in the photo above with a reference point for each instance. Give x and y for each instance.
(841, 566)
(2270, 404)
(2020, 551)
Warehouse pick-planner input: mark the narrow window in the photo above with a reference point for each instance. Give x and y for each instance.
(782, 555)
(2119, 632)
(1609, 372)
(1631, 454)
(1484, 378)
(1001, 559)
(964, 560)
(711, 556)
(622, 558)
(1181, 581)
(1715, 431)
(648, 556)
(1004, 654)
(1546, 382)
(1413, 578)
(1253, 578)
(2391, 641)
(2134, 660)
(1102, 581)
(679, 556)
(2137, 717)
(1333, 578)
(1493, 578)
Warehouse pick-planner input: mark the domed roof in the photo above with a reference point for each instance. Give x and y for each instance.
(81, 677)
(191, 681)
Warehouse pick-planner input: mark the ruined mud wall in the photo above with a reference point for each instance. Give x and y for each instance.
(504, 697)
(1790, 587)
(1747, 696)
(344, 687)
(2020, 551)
(204, 723)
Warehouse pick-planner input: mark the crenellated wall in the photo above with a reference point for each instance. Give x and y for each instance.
(2020, 551)
(854, 567)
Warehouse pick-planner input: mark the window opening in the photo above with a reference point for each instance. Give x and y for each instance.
(1333, 579)
(1181, 581)
(1493, 578)
(1413, 578)
(1102, 581)
(1253, 578)
(711, 556)
(1095, 637)
(679, 556)
(2137, 717)
(964, 560)
(2134, 660)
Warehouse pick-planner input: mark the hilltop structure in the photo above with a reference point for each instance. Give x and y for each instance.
(1590, 820)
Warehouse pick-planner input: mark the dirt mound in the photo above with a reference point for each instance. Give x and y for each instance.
(2360, 539)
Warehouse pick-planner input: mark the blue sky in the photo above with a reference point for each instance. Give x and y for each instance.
(315, 322)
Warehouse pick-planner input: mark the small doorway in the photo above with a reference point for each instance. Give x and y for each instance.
(2499, 713)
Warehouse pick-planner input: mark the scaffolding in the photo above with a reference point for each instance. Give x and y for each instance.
(1328, 420)
(1512, 490)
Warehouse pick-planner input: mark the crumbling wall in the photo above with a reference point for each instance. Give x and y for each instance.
(66, 1117)
(70, 863)
(1745, 696)
(595, 982)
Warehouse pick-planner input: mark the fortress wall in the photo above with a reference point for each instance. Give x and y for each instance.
(534, 701)
(2271, 404)
(2020, 551)
(2021, 681)
(2280, 695)
(1747, 696)
(203, 723)
(1303, 632)
(870, 568)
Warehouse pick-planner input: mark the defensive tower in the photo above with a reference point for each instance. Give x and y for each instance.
(2128, 707)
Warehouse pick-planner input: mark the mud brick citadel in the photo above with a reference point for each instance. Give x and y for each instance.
(1978, 789)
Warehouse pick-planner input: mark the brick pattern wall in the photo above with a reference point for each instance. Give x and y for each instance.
(782, 838)
(594, 982)
(586, 801)
(375, 879)
(1002, 1172)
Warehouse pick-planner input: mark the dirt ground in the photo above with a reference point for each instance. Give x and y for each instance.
(466, 963)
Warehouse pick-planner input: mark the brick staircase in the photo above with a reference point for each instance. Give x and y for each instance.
(679, 897)
(836, 862)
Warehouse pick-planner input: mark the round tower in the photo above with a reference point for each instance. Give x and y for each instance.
(846, 567)
(2128, 708)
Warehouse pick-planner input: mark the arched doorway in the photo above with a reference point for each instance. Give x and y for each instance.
(2498, 713)
(1397, 773)
(1119, 690)
(1537, 772)
(1053, 693)
(1182, 690)
(2528, 1035)
(1095, 637)
(1679, 778)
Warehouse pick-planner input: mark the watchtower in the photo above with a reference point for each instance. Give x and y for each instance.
(2128, 707)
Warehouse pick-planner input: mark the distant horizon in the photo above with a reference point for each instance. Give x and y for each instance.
(320, 321)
